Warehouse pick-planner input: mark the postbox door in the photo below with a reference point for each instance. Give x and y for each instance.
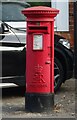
(39, 63)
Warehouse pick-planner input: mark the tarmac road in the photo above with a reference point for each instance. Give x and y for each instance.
(13, 103)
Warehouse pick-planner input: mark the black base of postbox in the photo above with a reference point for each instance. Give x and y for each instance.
(39, 102)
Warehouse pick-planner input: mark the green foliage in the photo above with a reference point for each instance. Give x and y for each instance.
(40, 4)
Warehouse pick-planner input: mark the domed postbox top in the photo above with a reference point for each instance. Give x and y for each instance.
(40, 10)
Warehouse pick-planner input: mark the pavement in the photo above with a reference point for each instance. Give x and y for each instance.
(13, 103)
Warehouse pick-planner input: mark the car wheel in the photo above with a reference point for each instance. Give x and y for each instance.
(58, 74)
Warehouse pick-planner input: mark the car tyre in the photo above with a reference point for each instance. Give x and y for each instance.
(58, 74)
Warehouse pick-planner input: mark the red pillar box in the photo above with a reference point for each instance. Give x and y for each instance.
(40, 58)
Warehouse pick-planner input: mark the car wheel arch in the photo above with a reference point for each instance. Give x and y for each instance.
(59, 54)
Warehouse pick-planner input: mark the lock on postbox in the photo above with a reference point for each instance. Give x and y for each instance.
(40, 58)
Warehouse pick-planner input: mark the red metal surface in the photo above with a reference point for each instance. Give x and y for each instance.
(40, 63)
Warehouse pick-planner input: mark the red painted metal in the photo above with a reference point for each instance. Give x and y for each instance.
(40, 62)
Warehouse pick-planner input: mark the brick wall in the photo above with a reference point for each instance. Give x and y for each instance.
(69, 35)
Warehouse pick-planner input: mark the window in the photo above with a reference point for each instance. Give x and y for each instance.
(62, 19)
(12, 12)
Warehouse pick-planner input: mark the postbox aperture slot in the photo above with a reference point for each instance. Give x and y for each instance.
(38, 29)
(37, 41)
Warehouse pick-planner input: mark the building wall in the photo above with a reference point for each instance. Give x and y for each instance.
(75, 40)
(70, 34)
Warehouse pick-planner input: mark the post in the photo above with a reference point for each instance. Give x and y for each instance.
(39, 94)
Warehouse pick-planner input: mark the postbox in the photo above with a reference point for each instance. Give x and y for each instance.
(40, 58)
